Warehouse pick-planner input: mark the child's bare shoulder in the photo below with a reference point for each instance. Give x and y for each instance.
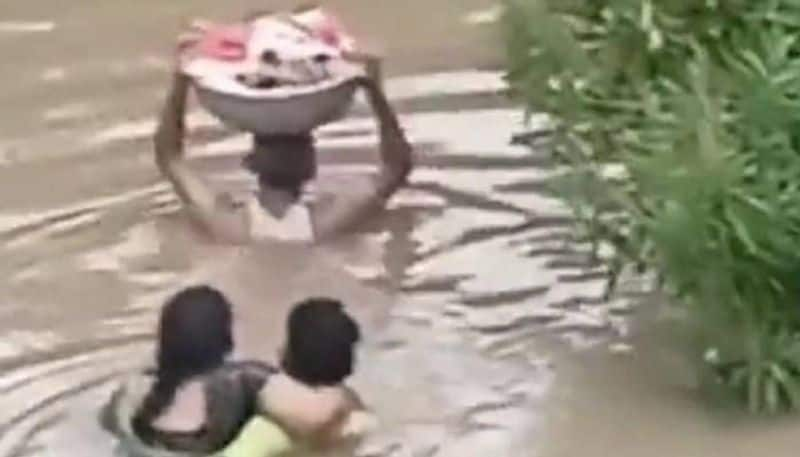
(301, 409)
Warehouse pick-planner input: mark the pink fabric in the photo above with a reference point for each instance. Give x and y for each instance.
(329, 33)
(229, 42)
(225, 42)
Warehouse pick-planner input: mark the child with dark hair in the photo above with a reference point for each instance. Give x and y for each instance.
(195, 400)
(309, 397)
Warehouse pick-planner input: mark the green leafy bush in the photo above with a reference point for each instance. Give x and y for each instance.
(679, 121)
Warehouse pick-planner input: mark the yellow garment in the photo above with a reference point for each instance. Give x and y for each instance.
(259, 438)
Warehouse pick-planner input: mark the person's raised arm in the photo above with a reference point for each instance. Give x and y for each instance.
(168, 138)
(198, 197)
(396, 157)
(395, 151)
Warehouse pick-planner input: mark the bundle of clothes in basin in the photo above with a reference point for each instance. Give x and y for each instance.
(271, 51)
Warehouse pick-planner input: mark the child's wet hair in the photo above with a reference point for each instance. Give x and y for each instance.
(194, 337)
(321, 339)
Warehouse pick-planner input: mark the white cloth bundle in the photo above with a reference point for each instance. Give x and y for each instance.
(289, 79)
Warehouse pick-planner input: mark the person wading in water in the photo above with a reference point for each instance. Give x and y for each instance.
(282, 208)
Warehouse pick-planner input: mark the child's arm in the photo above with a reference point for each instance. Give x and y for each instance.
(356, 421)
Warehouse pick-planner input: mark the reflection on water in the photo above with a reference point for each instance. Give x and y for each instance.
(463, 284)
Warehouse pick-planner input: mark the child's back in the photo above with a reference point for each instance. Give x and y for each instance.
(309, 398)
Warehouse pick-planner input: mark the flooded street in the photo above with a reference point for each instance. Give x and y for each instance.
(487, 333)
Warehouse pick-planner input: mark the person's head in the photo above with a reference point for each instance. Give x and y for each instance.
(194, 334)
(320, 343)
(194, 337)
(283, 162)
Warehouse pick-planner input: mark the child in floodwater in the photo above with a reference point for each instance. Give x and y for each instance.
(308, 396)
(197, 402)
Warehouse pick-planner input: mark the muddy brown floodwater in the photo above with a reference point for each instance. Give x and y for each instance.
(487, 334)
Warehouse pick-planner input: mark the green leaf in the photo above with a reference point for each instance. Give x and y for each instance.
(789, 384)
(754, 202)
(754, 390)
(741, 230)
(771, 395)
